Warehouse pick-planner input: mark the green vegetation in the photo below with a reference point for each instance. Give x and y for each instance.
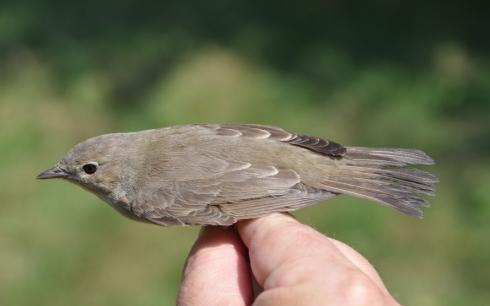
(384, 74)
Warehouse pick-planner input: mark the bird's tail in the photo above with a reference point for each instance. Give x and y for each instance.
(383, 175)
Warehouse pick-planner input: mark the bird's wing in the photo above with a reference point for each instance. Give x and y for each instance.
(213, 185)
(242, 191)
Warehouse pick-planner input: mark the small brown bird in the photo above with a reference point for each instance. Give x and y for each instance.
(217, 174)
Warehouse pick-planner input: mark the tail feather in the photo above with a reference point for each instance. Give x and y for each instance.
(390, 155)
(383, 175)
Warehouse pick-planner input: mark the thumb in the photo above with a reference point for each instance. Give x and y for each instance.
(277, 241)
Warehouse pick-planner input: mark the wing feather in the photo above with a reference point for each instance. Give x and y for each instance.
(315, 144)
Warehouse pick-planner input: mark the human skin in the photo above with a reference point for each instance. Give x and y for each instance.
(293, 263)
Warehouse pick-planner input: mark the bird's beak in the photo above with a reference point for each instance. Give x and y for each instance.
(55, 172)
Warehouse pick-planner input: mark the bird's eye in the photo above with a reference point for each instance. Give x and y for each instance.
(89, 168)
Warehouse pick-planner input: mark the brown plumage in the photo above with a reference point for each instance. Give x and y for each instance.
(220, 173)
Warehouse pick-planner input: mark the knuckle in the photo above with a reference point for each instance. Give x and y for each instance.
(358, 289)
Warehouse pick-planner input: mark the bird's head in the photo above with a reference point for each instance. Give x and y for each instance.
(99, 164)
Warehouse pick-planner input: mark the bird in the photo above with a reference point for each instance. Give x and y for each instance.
(218, 174)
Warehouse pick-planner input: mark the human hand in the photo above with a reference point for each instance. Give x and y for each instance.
(293, 263)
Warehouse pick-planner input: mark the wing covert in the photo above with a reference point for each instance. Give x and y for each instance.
(244, 192)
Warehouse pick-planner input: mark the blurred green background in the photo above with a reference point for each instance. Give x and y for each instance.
(376, 73)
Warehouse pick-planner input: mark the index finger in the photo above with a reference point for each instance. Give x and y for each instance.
(216, 271)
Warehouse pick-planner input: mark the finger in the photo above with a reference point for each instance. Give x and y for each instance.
(216, 271)
(284, 252)
(361, 262)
